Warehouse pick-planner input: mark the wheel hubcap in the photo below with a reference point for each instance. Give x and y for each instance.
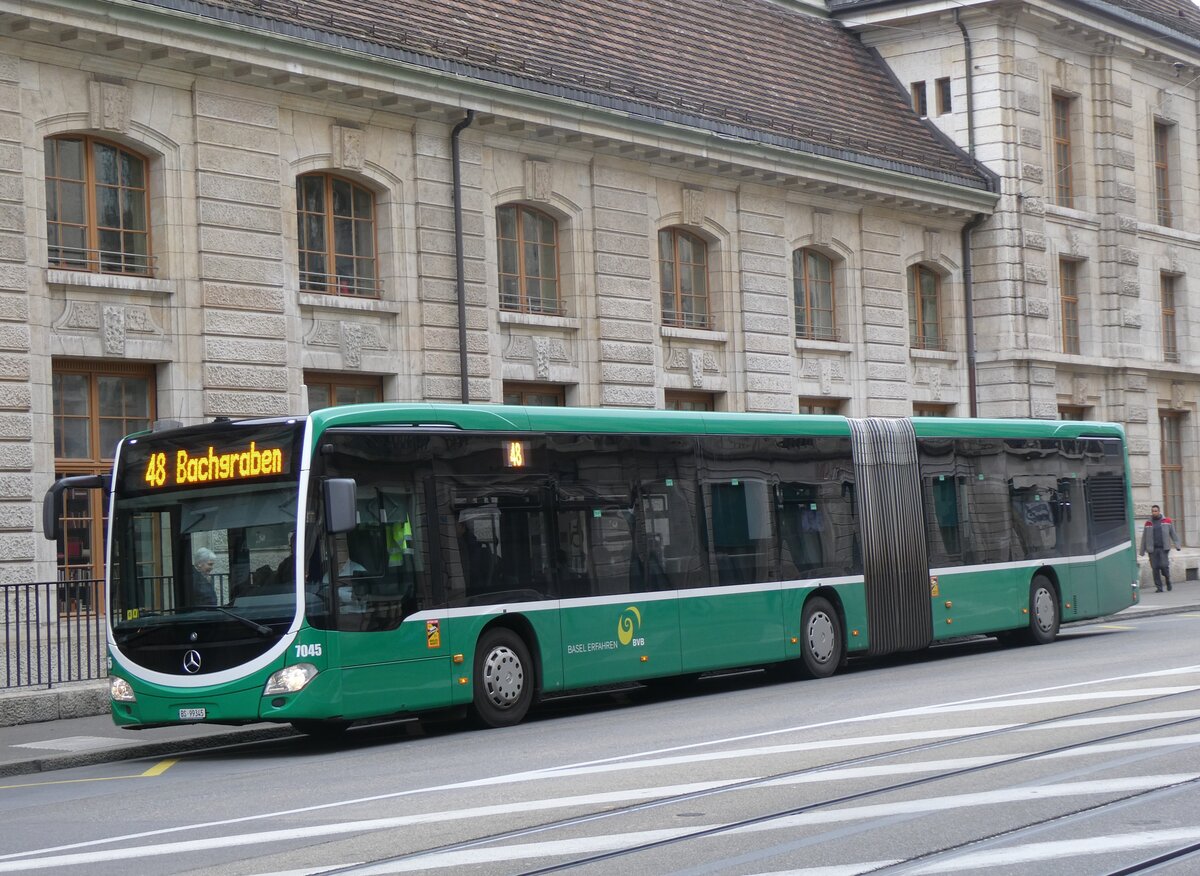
(820, 637)
(503, 677)
(1043, 610)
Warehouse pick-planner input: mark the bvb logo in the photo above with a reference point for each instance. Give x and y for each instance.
(628, 624)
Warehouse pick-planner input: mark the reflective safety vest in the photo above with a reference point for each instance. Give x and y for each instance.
(399, 542)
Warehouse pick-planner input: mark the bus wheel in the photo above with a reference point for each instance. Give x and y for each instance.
(821, 641)
(322, 731)
(503, 679)
(1043, 612)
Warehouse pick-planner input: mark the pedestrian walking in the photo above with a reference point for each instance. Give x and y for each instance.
(1157, 537)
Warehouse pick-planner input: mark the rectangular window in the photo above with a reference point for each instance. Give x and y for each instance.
(537, 394)
(330, 390)
(95, 406)
(689, 401)
(1064, 189)
(1068, 276)
(919, 100)
(930, 409)
(1073, 412)
(944, 102)
(820, 406)
(1171, 459)
(1170, 340)
(1162, 172)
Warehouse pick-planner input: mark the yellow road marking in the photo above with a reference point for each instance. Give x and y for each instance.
(157, 770)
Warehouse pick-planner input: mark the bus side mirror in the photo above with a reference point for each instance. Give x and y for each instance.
(341, 511)
(52, 502)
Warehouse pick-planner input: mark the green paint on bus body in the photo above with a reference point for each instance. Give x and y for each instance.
(604, 640)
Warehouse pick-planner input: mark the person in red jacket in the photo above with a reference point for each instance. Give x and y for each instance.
(1157, 537)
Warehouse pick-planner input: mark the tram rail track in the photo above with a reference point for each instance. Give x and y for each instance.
(716, 830)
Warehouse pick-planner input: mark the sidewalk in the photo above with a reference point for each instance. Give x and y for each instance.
(69, 726)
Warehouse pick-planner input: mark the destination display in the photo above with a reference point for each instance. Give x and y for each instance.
(231, 455)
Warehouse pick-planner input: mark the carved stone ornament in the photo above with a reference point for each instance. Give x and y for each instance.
(538, 181)
(1079, 391)
(356, 337)
(108, 106)
(541, 351)
(696, 362)
(825, 370)
(541, 357)
(693, 207)
(933, 246)
(112, 329)
(822, 229)
(1179, 395)
(347, 147)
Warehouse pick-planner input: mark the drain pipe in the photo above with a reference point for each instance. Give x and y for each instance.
(969, 309)
(459, 266)
(969, 228)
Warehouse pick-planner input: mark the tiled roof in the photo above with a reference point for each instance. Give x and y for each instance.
(1182, 16)
(747, 68)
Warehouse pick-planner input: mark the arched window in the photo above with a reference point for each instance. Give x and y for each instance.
(683, 279)
(97, 217)
(812, 279)
(528, 242)
(924, 302)
(336, 236)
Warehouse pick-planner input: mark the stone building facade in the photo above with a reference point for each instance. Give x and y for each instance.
(1088, 272)
(223, 300)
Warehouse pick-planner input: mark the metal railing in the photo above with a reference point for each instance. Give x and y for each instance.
(102, 261)
(53, 633)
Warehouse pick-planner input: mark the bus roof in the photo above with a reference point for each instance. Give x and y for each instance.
(626, 420)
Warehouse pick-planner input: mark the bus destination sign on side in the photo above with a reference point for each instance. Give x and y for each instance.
(184, 469)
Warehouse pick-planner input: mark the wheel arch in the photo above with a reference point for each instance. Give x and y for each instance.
(519, 625)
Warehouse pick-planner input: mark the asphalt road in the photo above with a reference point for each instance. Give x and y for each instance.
(1076, 758)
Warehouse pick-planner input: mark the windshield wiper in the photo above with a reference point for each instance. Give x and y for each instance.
(261, 629)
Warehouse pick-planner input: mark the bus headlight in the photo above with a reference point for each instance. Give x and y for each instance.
(290, 679)
(120, 691)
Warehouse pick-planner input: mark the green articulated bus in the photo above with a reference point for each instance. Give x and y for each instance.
(377, 560)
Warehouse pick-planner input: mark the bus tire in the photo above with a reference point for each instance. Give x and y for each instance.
(322, 731)
(822, 642)
(503, 688)
(1044, 616)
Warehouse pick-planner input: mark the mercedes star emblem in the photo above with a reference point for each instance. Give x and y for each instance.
(191, 662)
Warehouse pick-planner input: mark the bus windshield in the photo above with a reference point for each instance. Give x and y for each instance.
(203, 527)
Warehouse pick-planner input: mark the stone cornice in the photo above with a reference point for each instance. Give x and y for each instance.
(152, 34)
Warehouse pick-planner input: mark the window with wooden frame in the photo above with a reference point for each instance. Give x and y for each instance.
(676, 400)
(1068, 294)
(336, 236)
(1073, 412)
(97, 207)
(1171, 425)
(924, 304)
(528, 260)
(683, 279)
(327, 390)
(95, 405)
(945, 102)
(813, 289)
(930, 409)
(1162, 173)
(1170, 339)
(830, 406)
(535, 394)
(1064, 186)
(920, 99)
